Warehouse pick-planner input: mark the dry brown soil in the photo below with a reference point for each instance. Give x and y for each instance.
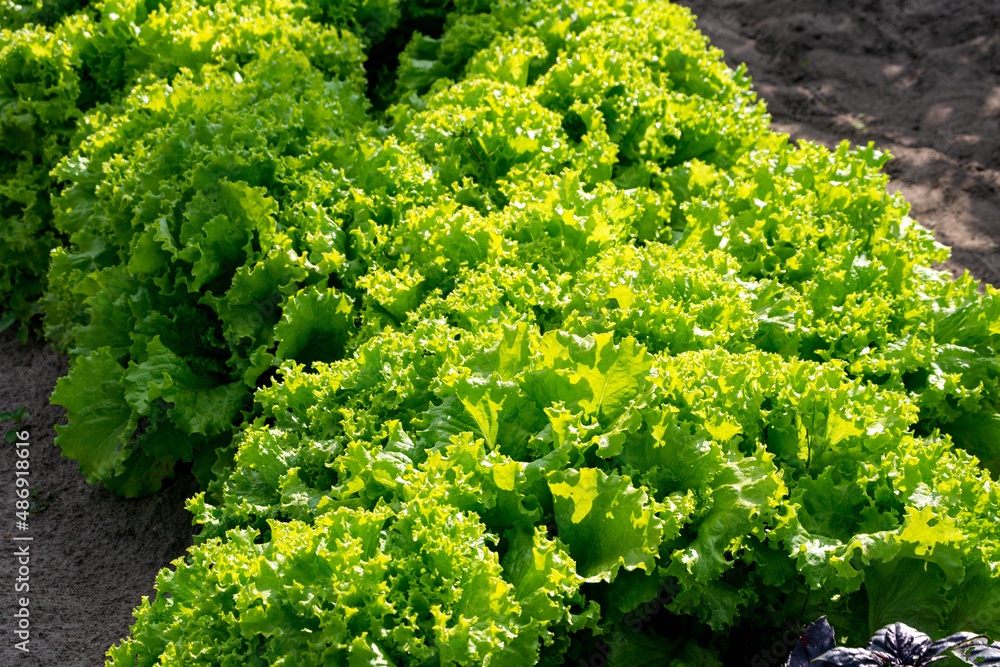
(92, 555)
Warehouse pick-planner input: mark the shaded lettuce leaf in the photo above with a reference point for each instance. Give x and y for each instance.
(101, 425)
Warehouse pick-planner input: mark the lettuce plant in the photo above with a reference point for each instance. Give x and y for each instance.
(64, 59)
(15, 15)
(173, 315)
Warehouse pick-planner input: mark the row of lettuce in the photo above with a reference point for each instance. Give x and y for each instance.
(528, 343)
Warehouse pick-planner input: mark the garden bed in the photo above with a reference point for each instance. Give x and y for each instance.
(919, 79)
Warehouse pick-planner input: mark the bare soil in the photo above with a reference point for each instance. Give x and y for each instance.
(920, 78)
(92, 555)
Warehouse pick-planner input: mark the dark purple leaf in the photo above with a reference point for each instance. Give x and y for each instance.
(942, 645)
(816, 640)
(905, 644)
(851, 657)
(985, 656)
